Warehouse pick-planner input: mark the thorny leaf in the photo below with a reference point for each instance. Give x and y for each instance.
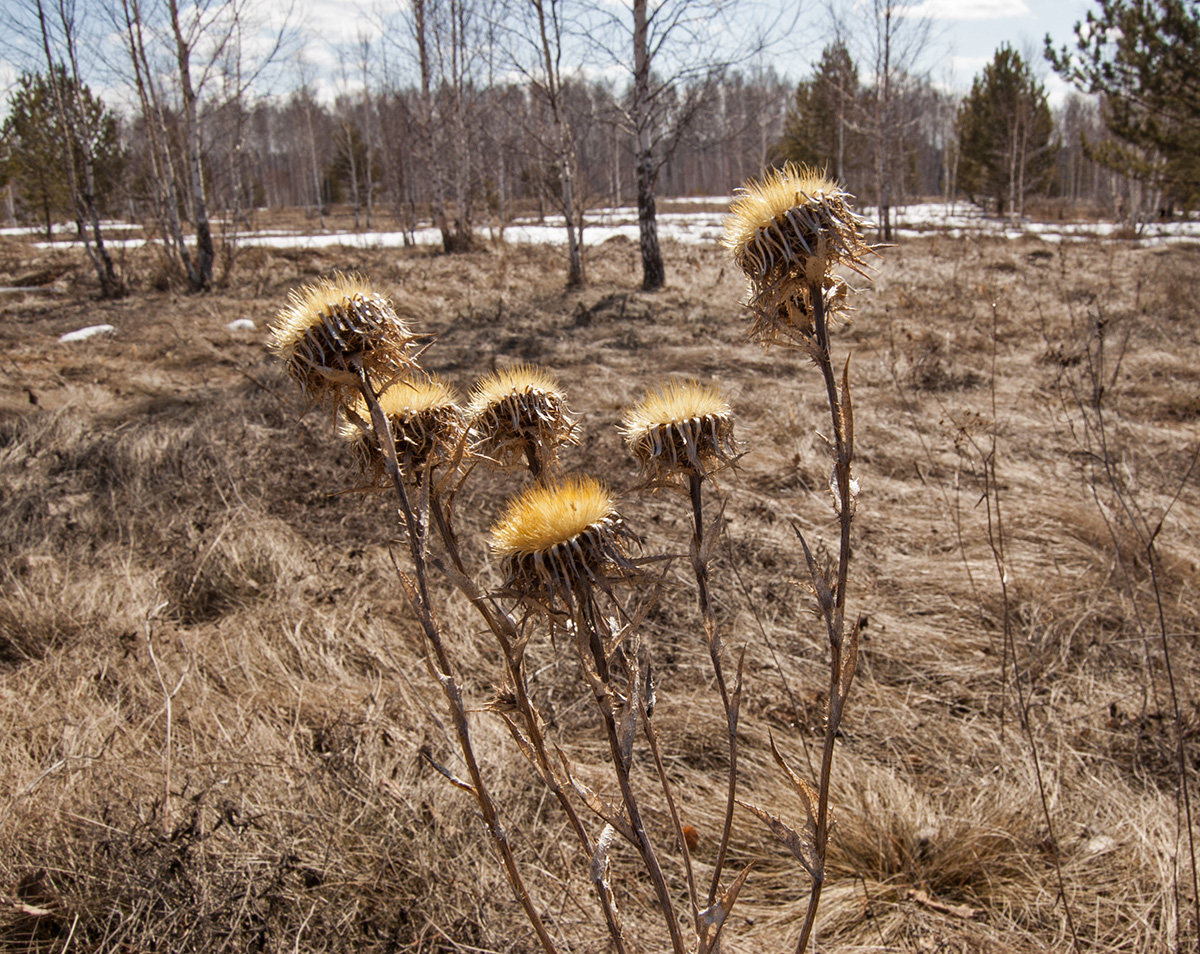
(427, 754)
(735, 697)
(627, 728)
(819, 580)
(797, 844)
(526, 747)
(712, 918)
(597, 804)
(803, 789)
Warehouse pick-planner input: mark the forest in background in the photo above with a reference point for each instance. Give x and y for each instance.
(468, 113)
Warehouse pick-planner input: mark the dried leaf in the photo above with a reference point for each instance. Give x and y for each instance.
(599, 805)
(712, 918)
(454, 780)
(798, 846)
(847, 409)
(850, 663)
(803, 789)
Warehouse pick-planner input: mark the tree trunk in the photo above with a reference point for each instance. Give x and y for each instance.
(653, 274)
(202, 280)
(83, 201)
(316, 174)
(429, 138)
(161, 163)
(566, 155)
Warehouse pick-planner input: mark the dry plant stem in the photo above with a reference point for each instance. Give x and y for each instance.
(168, 698)
(508, 639)
(832, 603)
(605, 702)
(700, 567)
(652, 741)
(1148, 537)
(440, 663)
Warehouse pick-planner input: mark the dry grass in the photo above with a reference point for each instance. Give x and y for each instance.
(171, 464)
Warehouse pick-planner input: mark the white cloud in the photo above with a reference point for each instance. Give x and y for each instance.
(967, 9)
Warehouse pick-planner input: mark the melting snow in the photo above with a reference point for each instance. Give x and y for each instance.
(91, 331)
(955, 220)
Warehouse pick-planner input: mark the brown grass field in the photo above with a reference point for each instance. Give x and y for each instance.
(212, 695)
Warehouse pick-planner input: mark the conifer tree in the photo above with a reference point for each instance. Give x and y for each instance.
(36, 145)
(1007, 145)
(1142, 57)
(818, 131)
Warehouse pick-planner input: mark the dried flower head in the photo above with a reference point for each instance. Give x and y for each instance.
(786, 233)
(795, 223)
(331, 326)
(520, 411)
(557, 541)
(784, 312)
(426, 421)
(680, 429)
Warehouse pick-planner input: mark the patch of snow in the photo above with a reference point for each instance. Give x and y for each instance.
(91, 331)
(241, 324)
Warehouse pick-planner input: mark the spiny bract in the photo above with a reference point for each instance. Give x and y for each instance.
(333, 327)
(681, 428)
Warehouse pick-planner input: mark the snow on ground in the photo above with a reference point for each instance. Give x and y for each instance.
(91, 331)
(695, 228)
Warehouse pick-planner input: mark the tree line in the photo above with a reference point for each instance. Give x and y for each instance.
(495, 118)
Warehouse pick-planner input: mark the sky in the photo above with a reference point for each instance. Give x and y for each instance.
(963, 37)
(970, 31)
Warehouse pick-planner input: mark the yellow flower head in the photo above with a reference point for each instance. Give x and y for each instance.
(520, 411)
(426, 421)
(795, 219)
(333, 325)
(681, 429)
(557, 540)
(786, 233)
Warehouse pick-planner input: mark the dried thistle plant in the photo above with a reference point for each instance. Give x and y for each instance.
(563, 546)
(426, 422)
(558, 542)
(680, 430)
(788, 233)
(336, 329)
(683, 432)
(521, 412)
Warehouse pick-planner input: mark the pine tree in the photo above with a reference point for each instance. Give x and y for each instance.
(1006, 135)
(37, 146)
(1142, 57)
(818, 131)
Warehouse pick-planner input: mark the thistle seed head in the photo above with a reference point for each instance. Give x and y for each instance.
(786, 233)
(794, 223)
(680, 429)
(558, 541)
(518, 408)
(331, 326)
(426, 421)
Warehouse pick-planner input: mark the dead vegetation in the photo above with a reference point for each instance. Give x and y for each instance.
(174, 530)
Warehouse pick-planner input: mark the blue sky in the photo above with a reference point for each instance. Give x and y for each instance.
(968, 32)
